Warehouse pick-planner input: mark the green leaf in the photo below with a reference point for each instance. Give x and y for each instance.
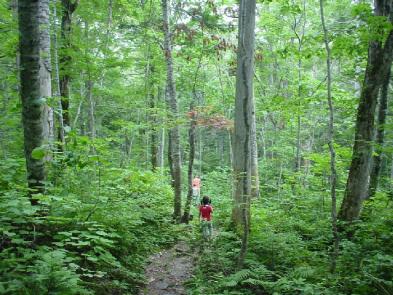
(38, 153)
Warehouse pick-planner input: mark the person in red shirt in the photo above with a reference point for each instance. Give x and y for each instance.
(205, 216)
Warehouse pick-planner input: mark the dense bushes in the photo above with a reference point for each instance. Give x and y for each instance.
(290, 246)
(91, 234)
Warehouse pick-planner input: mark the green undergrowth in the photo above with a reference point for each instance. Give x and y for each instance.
(90, 235)
(290, 252)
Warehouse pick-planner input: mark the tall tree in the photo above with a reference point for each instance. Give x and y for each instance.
(153, 133)
(191, 157)
(380, 55)
(57, 76)
(174, 133)
(243, 121)
(333, 173)
(34, 44)
(68, 7)
(380, 138)
(254, 156)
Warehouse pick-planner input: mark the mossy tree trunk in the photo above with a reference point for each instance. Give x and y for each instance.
(35, 79)
(243, 122)
(380, 57)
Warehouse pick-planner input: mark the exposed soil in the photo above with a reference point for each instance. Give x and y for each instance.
(168, 270)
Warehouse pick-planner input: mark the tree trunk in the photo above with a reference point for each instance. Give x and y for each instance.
(333, 172)
(92, 124)
(191, 141)
(378, 64)
(298, 144)
(376, 160)
(243, 122)
(174, 133)
(299, 88)
(153, 134)
(35, 85)
(254, 156)
(65, 58)
(161, 149)
(61, 135)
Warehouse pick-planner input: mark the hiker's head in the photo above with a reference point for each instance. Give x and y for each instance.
(206, 200)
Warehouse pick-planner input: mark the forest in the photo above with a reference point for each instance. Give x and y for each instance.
(167, 147)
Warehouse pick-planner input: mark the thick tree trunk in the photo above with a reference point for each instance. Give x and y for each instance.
(378, 64)
(35, 85)
(174, 133)
(377, 159)
(243, 122)
(333, 172)
(65, 58)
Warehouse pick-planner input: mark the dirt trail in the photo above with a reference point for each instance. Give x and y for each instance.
(168, 270)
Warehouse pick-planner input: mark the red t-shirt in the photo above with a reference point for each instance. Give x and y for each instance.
(205, 211)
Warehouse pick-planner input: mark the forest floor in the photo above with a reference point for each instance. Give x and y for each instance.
(168, 270)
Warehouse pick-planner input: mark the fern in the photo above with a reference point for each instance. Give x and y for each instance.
(236, 278)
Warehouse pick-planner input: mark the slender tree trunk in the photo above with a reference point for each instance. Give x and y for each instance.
(333, 172)
(230, 143)
(200, 150)
(35, 85)
(161, 149)
(45, 69)
(377, 159)
(154, 135)
(161, 139)
(298, 144)
(254, 156)
(299, 90)
(65, 58)
(243, 122)
(174, 133)
(378, 64)
(61, 136)
(92, 123)
(191, 141)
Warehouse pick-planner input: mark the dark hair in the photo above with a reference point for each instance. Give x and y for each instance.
(206, 200)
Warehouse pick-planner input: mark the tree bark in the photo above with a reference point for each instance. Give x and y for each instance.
(243, 122)
(61, 135)
(65, 58)
(191, 141)
(35, 85)
(161, 149)
(378, 64)
(92, 123)
(254, 156)
(377, 159)
(174, 133)
(153, 135)
(333, 172)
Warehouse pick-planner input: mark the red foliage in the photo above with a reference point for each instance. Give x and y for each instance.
(205, 119)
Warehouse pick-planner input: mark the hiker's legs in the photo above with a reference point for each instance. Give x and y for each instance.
(210, 229)
(205, 229)
(195, 195)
